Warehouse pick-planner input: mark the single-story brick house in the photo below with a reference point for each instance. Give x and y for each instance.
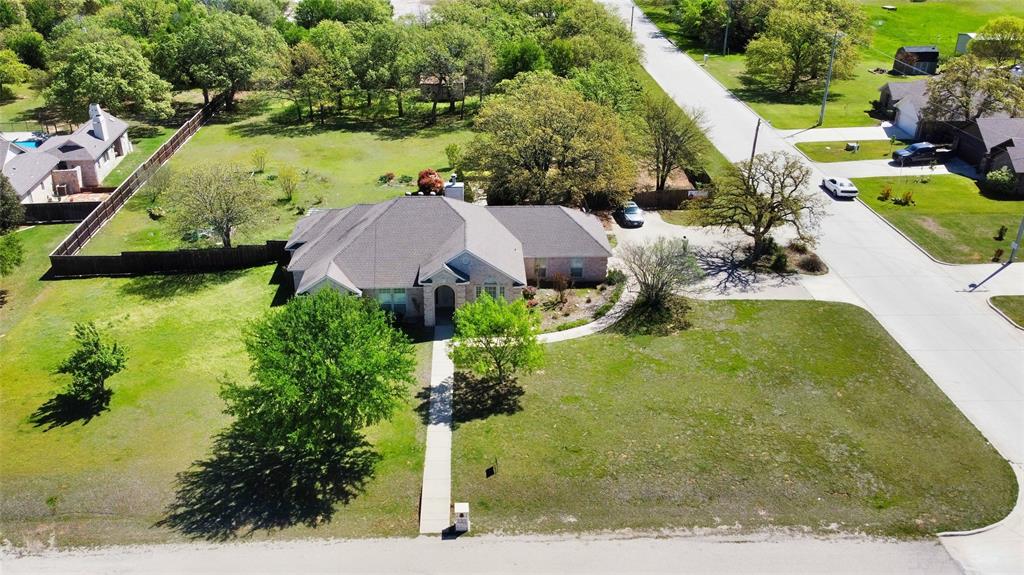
(424, 256)
(61, 165)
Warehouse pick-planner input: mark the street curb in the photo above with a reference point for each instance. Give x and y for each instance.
(905, 236)
(1004, 316)
(1016, 504)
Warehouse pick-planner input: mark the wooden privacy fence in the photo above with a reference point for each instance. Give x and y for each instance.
(661, 200)
(58, 212)
(167, 262)
(106, 210)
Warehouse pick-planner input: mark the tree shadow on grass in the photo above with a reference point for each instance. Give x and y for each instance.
(249, 485)
(656, 320)
(472, 398)
(64, 409)
(3, 298)
(169, 286)
(729, 270)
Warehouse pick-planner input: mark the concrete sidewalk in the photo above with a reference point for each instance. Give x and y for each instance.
(436, 494)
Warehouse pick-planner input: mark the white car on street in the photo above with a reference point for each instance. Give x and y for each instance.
(840, 187)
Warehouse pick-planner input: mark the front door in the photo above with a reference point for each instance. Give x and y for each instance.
(444, 303)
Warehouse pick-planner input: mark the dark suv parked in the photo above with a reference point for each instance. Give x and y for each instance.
(918, 153)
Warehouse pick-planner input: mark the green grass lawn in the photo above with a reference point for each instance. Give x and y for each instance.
(1012, 306)
(339, 166)
(112, 477)
(951, 219)
(19, 109)
(680, 217)
(933, 22)
(763, 414)
(837, 152)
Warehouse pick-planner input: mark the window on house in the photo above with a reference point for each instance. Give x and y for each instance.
(540, 268)
(492, 289)
(392, 300)
(576, 268)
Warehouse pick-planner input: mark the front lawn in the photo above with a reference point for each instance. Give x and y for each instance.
(339, 165)
(837, 152)
(17, 113)
(763, 414)
(950, 217)
(913, 23)
(1012, 306)
(108, 481)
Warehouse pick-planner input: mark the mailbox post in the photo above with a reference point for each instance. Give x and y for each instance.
(461, 517)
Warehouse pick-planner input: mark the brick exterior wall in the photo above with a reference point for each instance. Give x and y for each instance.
(594, 269)
(72, 178)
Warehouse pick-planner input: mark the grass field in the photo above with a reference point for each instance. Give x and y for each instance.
(19, 109)
(836, 151)
(339, 166)
(763, 414)
(109, 480)
(913, 23)
(1012, 306)
(951, 219)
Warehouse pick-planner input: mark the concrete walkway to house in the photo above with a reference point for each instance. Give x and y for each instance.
(436, 493)
(973, 355)
(882, 132)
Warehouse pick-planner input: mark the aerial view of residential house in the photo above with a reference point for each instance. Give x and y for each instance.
(904, 100)
(424, 256)
(975, 143)
(42, 168)
(1010, 155)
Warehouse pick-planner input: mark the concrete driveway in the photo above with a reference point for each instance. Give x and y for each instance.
(873, 168)
(881, 132)
(971, 353)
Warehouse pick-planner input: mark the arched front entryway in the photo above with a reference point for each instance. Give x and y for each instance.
(444, 304)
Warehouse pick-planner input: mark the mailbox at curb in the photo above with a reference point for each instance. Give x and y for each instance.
(462, 517)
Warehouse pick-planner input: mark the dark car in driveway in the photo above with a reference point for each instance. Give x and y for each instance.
(919, 153)
(629, 215)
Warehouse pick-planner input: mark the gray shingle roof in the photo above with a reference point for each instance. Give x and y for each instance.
(27, 169)
(397, 242)
(917, 89)
(995, 131)
(554, 231)
(1014, 149)
(83, 144)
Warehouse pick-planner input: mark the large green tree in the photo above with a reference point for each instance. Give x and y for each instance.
(967, 90)
(115, 75)
(384, 58)
(12, 71)
(771, 191)
(309, 13)
(12, 13)
(495, 338)
(793, 50)
(673, 139)
(1000, 40)
(542, 143)
(224, 51)
(12, 215)
(323, 368)
(219, 198)
(26, 43)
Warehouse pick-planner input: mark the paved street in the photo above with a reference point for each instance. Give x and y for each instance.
(782, 554)
(973, 355)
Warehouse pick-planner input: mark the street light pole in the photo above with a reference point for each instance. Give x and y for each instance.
(1016, 245)
(828, 78)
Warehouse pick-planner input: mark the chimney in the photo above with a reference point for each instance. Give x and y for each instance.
(99, 121)
(455, 189)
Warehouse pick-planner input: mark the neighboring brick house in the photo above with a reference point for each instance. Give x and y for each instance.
(424, 256)
(62, 165)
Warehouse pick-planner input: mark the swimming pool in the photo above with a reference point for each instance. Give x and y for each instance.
(27, 143)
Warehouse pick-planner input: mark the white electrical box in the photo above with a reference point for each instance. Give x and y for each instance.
(462, 517)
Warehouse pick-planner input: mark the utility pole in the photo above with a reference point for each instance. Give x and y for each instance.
(753, 152)
(632, 7)
(828, 78)
(728, 21)
(1016, 245)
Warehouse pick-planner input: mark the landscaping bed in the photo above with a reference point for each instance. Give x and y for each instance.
(760, 415)
(949, 216)
(575, 306)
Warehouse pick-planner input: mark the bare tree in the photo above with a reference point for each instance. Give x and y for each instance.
(661, 267)
(967, 90)
(674, 138)
(761, 195)
(159, 180)
(220, 198)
